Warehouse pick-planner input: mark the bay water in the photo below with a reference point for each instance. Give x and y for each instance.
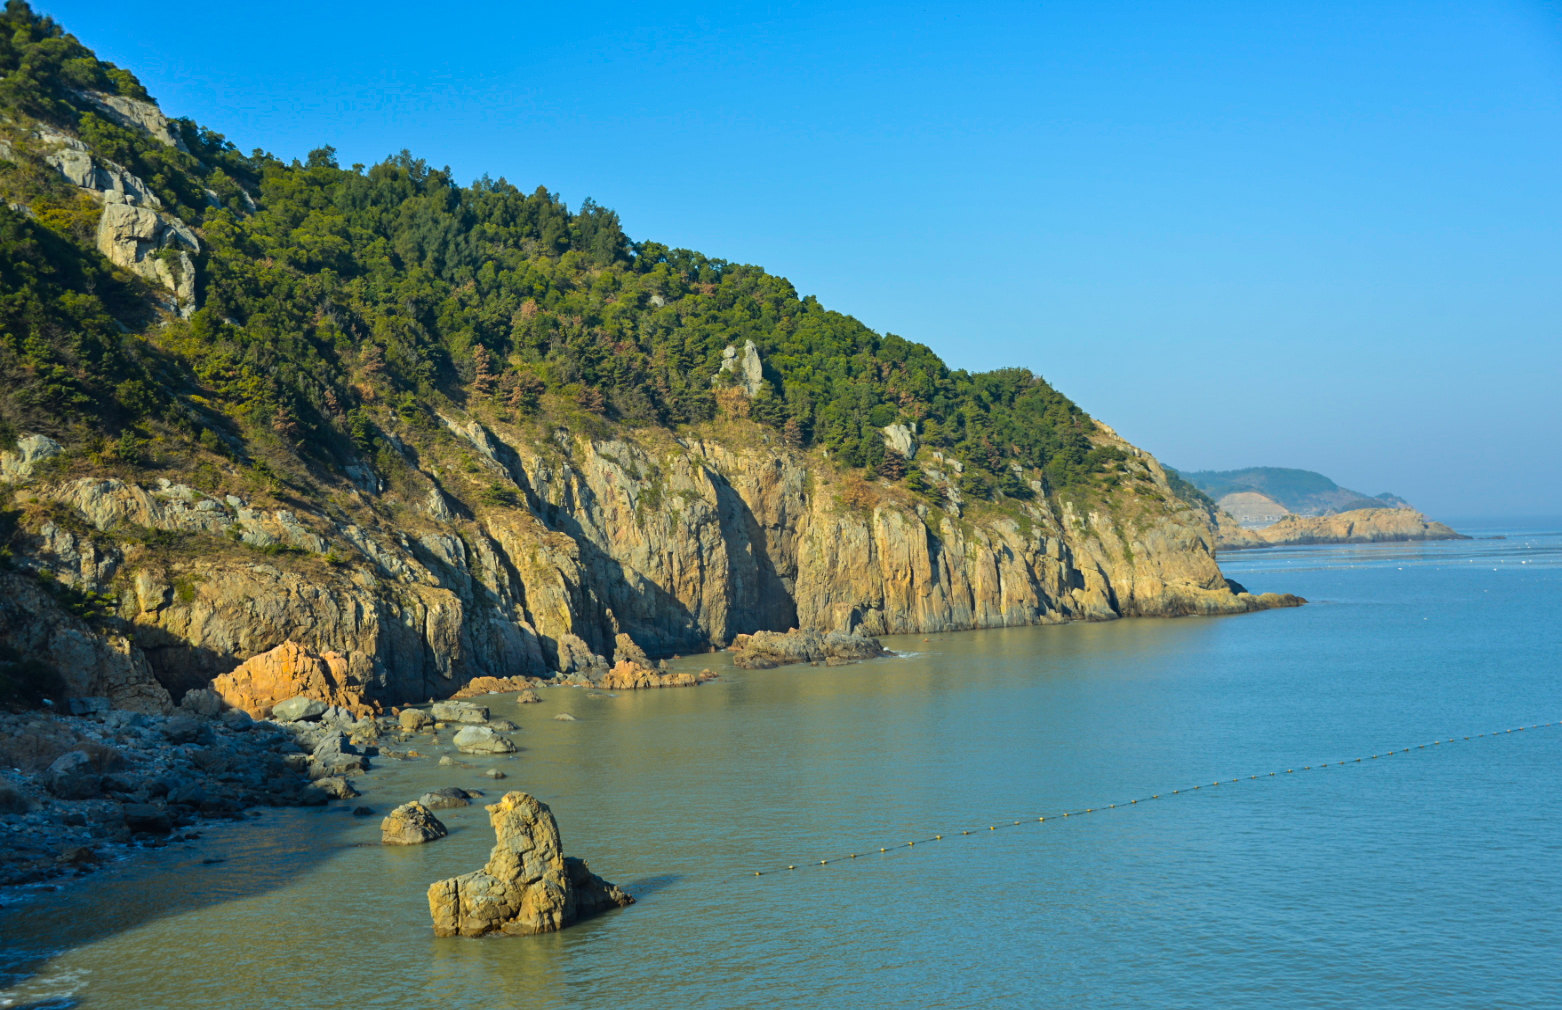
(1429, 878)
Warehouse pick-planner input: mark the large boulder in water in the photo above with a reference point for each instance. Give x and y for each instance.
(527, 886)
(411, 824)
(482, 740)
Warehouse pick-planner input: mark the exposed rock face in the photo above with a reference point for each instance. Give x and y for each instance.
(625, 548)
(290, 670)
(411, 824)
(901, 438)
(746, 365)
(1361, 526)
(527, 886)
(30, 451)
(765, 649)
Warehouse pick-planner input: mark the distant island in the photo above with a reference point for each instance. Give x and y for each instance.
(1264, 506)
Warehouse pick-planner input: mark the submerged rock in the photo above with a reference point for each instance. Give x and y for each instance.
(411, 824)
(527, 886)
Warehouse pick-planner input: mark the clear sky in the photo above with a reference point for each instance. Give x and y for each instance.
(1324, 235)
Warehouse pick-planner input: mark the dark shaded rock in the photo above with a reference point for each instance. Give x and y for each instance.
(73, 776)
(447, 798)
(147, 819)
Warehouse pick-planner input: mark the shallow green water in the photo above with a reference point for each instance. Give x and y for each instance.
(1427, 879)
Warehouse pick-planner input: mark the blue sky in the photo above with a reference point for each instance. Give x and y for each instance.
(1322, 235)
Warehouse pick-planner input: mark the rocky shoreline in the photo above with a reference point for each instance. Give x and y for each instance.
(75, 790)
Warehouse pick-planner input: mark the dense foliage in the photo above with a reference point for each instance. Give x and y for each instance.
(335, 301)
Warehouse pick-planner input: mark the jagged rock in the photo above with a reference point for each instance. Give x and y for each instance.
(290, 671)
(447, 798)
(482, 740)
(414, 719)
(459, 711)
(298, 708)
(528, 697)
(765, 649)
(625, 649)
(31, 450)
(527, 886)
(334, 755)
(411, 824)
(630, 676)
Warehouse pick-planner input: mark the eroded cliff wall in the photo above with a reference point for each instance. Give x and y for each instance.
(506, 551)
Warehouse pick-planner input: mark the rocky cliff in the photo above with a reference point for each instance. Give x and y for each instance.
(384, 434)
(678, 543)
(1360, 526)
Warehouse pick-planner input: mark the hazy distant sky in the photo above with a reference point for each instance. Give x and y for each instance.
(1315, 235)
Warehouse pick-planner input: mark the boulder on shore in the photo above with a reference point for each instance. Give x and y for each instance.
(290, 671)
(411, 824)
(527, 886)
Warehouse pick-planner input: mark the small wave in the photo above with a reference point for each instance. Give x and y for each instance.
(57, 991)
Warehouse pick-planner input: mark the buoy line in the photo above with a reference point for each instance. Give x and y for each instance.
(1046, 818)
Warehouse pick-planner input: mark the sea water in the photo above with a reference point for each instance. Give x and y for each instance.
(1429, 878)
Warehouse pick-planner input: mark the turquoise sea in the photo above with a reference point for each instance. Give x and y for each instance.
(1425, 878)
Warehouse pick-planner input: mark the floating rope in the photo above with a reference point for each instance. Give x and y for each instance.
(1079, 812)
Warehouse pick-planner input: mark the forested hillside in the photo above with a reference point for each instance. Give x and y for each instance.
(325, 297)
(442, 431)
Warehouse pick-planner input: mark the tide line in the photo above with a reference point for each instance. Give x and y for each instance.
(1062, 815)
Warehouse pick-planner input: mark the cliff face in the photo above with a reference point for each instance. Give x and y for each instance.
(1361, 526)
(681, 544)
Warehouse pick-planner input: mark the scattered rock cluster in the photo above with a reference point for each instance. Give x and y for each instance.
(765, 649)
(527, 886)
(73, 786)
(627, 675)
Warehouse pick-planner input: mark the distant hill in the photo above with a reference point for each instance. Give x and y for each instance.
(1250, 494)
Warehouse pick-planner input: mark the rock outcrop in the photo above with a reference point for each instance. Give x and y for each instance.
(1361, 526)
(765, 649)
(288, 671)
(527, 886)
(631, 676)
